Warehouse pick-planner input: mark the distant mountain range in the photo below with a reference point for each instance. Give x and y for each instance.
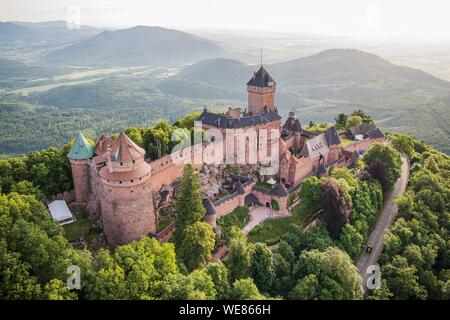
(51, 32)
(137, 46)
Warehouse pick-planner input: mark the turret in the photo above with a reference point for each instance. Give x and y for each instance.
(126, 198)
(80, 156)
(261, 92)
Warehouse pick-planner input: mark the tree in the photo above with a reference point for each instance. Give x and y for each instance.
(26, 187)
(354, 121)
(34, 247)
(196, 244)
(362, 114)
(325, 275)
(402, 279)
(403, 144)
(220, 277)
(198, 285)
(389, 157)
(378, 170)
(336, 207)
(262, 267)
(189, 204)
(350, 240)
(310, 194)
(341, 121)
(57, 290)
(135, 271)
(245, 289)
(239, 256)
(306, 288)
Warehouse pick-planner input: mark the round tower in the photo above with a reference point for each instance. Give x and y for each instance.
(80, 156)
(126, 196)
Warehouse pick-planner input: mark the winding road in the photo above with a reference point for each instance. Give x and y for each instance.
(385, 219)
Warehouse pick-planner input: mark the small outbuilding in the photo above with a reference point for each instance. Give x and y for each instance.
(60, 212)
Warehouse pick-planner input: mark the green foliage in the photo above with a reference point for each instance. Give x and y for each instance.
(403, 144)
(238, 259)
(48, 170)
(389, 157)
(134, 271)
(196, 244)
(262, 267)
(414, 258)
(34, 253)
(354, 121)
(237, 218)
(325, 275)
(198, 285)
(220, 277)
(341, 121)
(310, 195)
(350, 240)
(274, 204)
(245, 289)
(189, 204)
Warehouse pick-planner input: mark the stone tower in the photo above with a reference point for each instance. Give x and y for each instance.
(126, 197)
(80, 156)
(261, 92)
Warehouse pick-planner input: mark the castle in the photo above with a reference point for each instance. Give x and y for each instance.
(115, 179)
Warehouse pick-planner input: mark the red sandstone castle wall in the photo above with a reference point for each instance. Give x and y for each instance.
(127, 212)
(363, 144)
(81, 179)
(260, 97)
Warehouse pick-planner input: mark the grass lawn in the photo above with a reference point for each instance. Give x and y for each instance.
(271, 231)
(83, 227)
(164, 221)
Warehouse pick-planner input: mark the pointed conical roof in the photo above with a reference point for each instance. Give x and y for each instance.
(103, 143)
(125, 149)
(81, 149)
(261, 79)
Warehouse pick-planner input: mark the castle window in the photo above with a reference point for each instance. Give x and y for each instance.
(120, 182)
(132, 180)
(121, 163)
(134, 161)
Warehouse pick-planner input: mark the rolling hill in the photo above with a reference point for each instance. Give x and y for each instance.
(51, 32)
(140, 45)
(402, 99)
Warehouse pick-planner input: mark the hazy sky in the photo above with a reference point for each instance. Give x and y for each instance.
(389, 18)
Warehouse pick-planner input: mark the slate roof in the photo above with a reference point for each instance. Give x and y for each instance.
(125, 149)
(222, 121)
(261, 79)
(374, 134)
(280, 190)
(332, 136)
(363, 128)
(251, 198)
(292, 124)
(81, 149)
(209, 206)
